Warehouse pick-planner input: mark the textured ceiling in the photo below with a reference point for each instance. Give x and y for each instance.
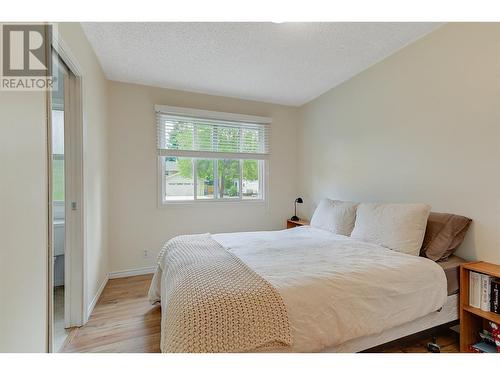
(287, 63)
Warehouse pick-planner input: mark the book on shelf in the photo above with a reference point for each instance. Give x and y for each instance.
(495, 296)
(486, 282)
(484, 292)
(475, 289)
(482, 347)
(489, 340)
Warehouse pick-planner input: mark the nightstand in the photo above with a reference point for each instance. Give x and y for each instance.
(296, 223)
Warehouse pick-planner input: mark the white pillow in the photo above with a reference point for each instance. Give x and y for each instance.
(335, 216)
(399, 227)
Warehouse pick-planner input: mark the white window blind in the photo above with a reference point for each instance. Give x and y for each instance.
(186, 132)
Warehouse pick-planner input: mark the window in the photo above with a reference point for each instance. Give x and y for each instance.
(211, 156)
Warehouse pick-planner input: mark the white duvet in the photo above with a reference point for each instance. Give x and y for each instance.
(336, 288)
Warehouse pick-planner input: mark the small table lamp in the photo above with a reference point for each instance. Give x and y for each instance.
(295, 217)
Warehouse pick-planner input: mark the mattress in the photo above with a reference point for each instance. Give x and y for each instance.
(335, 288)
(451, 268)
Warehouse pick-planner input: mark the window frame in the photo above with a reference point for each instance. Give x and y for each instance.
(263, 161)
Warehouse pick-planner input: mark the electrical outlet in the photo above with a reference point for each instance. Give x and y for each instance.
(145, 254)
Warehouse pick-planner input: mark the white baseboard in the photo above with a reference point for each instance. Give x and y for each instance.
(96, 297)
(132, 272)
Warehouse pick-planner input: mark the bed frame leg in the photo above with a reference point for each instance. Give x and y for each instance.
(433, 346)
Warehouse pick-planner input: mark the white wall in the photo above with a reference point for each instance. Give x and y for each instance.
(136, 222)
(421, 126)
(23, 222)
(95, 108)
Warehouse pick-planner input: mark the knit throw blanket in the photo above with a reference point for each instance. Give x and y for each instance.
(214, 302)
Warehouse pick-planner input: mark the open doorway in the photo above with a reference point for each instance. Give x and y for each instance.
(66, 250)
(61, 76)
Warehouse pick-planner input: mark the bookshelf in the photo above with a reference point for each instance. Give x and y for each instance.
(472, 320)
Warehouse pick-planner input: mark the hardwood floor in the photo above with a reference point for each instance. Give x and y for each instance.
(124, 321)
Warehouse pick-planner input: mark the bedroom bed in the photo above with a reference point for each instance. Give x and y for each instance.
(350, 281)
(371, 296)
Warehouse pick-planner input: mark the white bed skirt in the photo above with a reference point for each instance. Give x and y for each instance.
(447, 314)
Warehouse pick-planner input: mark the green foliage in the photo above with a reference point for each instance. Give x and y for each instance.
(250, 170)
(185, 167)
(228, 170)
(181, 136)
(250, 141)
(58, 180)
(205, 170)
(232, 191)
